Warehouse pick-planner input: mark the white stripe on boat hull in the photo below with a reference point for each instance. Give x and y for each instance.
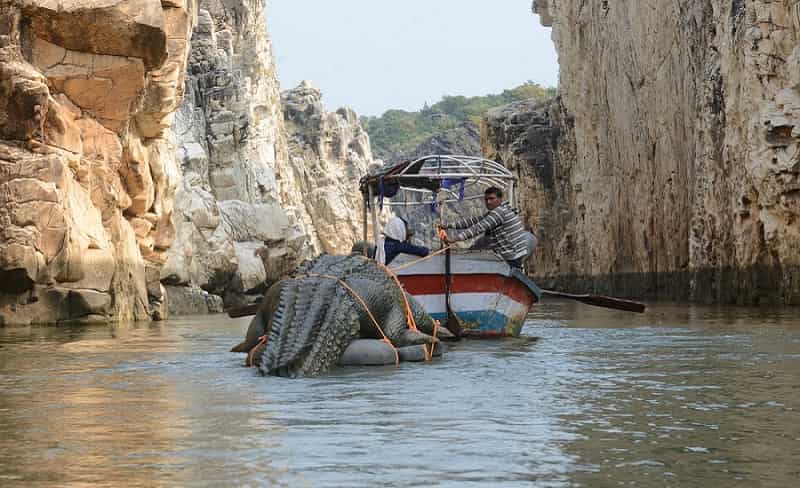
(471, 302)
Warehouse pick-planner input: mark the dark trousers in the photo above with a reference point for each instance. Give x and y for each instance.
(515, 263)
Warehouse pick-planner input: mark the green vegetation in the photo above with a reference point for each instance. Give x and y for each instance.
(397, 131)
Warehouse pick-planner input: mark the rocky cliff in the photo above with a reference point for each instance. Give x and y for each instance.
(87, 165)
(672, 168)
(258, 193)
(535, 140)
(329, 153)
(143, 144)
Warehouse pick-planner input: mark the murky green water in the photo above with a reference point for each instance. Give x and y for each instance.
(677, 397)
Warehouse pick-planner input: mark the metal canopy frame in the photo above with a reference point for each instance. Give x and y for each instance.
(424, 177)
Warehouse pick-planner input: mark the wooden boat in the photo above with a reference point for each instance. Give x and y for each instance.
(489, 297)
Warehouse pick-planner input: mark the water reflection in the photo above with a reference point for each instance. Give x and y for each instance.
(681, 396)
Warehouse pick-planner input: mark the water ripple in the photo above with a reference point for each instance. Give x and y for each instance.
(679, 396)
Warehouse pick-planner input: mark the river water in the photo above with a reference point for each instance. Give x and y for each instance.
(681, 396)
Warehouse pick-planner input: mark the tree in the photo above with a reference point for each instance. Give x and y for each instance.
(398, 131)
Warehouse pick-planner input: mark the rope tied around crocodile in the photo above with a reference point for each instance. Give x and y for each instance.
(363, 304)
(412, 324)
(251, 353)
(409, 315)
(412, 263)
(263, 339)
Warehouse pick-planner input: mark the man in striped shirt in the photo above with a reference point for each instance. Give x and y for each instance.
(501, 225)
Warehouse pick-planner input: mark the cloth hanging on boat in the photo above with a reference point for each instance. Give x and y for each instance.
(435, 205)
(394, 229)
(451, 182)
(380, 193)
(386, 189)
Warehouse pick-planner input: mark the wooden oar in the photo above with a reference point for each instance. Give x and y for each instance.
(453, 324)
(243, 311)
(600, 301)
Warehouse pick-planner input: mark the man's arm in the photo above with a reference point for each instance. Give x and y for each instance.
(463, 223)
(488, 222)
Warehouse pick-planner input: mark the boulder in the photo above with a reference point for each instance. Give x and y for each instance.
(102, 85)
(20, 267)
(250, 269)
(189, 300)
(89, 302)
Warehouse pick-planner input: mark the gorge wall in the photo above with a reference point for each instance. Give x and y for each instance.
(262, 187)
(669, 166)
(87, 163)
(145, 164)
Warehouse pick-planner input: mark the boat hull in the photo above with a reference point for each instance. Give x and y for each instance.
(486, 294)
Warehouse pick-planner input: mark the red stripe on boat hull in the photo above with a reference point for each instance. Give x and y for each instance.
(475, 283)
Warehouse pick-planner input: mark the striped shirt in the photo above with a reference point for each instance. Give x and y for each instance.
(502, 226)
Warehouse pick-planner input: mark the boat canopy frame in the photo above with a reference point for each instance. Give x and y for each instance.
(437, 178)
(435, 174)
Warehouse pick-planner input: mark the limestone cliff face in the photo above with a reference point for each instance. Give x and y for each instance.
(230, 140)
(87, 166)
(535, 140)
(676, 153)
(329, 153)
(248, 209)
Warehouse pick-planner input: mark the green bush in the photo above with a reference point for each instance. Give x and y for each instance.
(398, 131)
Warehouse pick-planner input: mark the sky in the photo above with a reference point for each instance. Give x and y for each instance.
(373, 55)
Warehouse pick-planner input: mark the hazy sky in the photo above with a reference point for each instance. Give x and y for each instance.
(373, 55)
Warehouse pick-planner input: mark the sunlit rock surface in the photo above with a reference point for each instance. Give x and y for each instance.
(87, 166)
(670, 166)
(258, 194)
(330, 152)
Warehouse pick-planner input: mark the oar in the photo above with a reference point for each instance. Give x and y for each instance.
(243, 311)
(454, 324)
(599, 301)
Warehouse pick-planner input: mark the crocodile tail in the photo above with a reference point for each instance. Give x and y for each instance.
(316, 318)
(310, 328)
(289, 332)
(338, 329)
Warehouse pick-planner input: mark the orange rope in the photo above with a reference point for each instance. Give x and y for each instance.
(434, 335)
(412, 324)
(429, 353)
(412, 263)
(409, 315)
(261, 341)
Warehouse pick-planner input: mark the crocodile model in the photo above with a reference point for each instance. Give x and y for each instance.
(309, 319)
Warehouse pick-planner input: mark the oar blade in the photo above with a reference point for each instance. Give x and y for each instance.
(615, 303)
(454, 324)
(600, 301)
